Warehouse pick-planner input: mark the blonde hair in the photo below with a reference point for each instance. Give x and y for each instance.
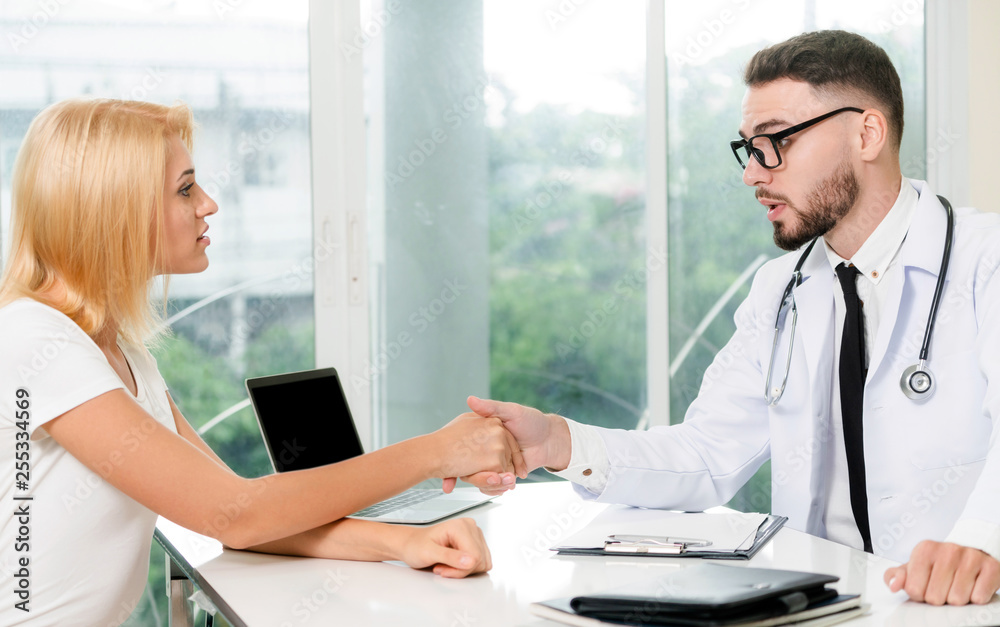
(87, 198)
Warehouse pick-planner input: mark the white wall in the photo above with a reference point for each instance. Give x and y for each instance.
(984, 103)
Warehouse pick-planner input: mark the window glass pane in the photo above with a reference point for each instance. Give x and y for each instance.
(243, 68)
(718, 232)
(508, 212)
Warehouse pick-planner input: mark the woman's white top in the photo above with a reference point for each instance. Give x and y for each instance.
(78, 548)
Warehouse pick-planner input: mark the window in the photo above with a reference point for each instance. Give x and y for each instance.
(508, 214)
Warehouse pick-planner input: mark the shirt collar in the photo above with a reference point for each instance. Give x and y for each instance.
(878, 251)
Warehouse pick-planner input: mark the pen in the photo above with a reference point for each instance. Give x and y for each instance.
(657, 541)
(655, 549)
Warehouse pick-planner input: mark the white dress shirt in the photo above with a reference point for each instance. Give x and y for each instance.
(876, 260)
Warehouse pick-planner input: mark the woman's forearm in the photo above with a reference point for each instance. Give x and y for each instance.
(327, 493)
(172, 477)
(453, 548)
(346, 539)
(321, 495)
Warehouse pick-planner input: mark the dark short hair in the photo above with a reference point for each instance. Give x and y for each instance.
(834, 61)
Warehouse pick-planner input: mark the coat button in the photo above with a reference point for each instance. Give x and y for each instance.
(587, 472)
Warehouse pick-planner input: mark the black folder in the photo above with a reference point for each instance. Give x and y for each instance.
(714, 595)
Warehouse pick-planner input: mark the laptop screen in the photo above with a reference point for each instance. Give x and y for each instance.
(304, 419)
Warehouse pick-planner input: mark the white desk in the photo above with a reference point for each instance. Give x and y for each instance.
(273, 591)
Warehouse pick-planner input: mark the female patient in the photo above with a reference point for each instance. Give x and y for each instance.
(105, 199)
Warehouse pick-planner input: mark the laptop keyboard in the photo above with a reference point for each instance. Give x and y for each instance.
(410, 497)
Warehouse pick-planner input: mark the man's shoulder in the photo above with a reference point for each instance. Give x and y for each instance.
(977, 235)
(974, 219)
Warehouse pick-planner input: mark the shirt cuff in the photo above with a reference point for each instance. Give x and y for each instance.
(588, 463)
(978, 534)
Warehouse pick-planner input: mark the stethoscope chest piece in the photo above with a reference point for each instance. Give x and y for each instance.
(917, 383)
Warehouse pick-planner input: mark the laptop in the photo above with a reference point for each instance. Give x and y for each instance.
(305, 422)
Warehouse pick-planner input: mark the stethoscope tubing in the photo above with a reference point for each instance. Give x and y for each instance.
(796, 280)
(939, 288)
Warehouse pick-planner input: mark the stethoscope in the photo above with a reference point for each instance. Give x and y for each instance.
(917, 381)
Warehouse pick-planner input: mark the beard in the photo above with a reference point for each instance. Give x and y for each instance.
(826, 204)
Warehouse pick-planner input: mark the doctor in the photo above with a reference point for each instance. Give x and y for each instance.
(853, 458)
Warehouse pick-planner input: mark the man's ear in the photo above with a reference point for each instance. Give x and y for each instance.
(874, 134)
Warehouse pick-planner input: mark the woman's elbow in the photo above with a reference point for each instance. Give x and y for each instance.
(242, 536)
(240, 524)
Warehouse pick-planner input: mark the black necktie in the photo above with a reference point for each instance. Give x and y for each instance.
(852, 389)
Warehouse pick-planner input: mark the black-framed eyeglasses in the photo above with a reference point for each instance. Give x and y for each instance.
(764, 147)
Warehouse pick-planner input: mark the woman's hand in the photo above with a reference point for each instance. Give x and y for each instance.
(470, 444)
(544, 440)
(454, 548)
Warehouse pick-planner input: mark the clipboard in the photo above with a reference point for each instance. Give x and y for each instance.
(629, 531)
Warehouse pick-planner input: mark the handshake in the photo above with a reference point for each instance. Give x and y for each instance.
(497, 442)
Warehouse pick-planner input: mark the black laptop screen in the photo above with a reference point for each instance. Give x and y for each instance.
(304, 419)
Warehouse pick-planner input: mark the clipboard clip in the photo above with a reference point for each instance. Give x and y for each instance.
(657, 545)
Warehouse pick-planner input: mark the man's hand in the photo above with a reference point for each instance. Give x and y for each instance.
(942, 572)
(469, 444)
(454, 548)
(543, 438)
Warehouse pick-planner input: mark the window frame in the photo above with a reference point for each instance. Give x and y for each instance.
(340, 250)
